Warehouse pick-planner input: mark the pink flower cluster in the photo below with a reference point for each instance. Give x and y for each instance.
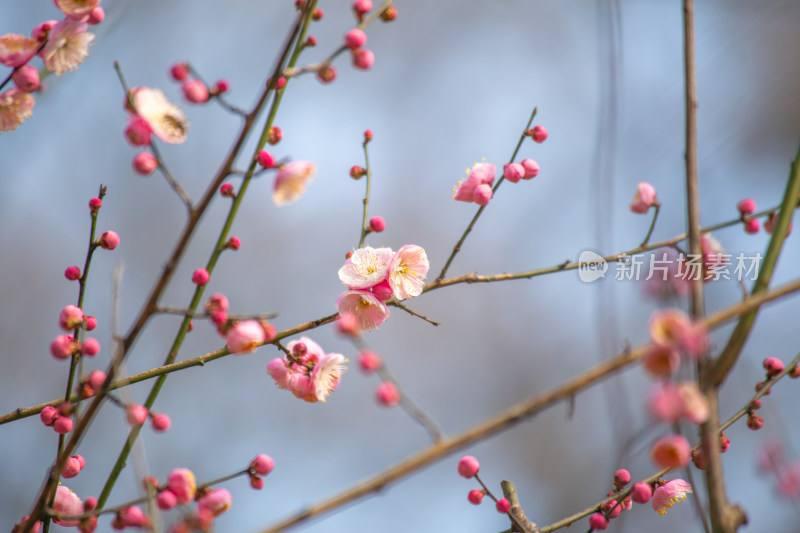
(375, 275)
(64, 45)
(307, 371)
(181, 489)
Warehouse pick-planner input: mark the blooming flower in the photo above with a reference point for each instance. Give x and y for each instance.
(644, 199)
(407, 271)
(672, 328)
(714, 257)
(16, 50)
(183, 484)
(291, 181)
(670, 402)
(217, 501)
(67, 46)
(368, 309)
(474, 188)
(326, 375)
(366, 267)
(166, 120)
(669, 494)
(662, 361)
(67, 503)
(15, 107)
(76, 9)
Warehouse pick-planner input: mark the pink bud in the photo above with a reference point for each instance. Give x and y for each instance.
(138, 132)
(746, 206)
(96, 16)
(326, 74)
(502, 505)
(233, 243)
(317, 14)
(275, 135)
(642, 492)
(362, 6)
(62, 346)
(754, 422)
(377, 224)
(513, 172)
(311, 41)
(145, 163)
(363, 59)
(531, 168)
(95, 204)
(773, 366)
(388, 394)
(622, 477)
(644, 199)
(475, 496)
(389, 14)
(612, 509)
(256, 482)
(724, 443)
(41, 31)
(245, 337)
(48, 415)
(348, 324)
(752, 225)
(671, 451)
(357, 172)
(699, 459)
(598, 521)
(90, 322)
(63, 425)
(70, 317)
(482, 194)
(265, 159)
(166, 500)
(26, 78)
(262, 464)
(217, 501)
(179, 71)
(195, 91)
(539, 134)
(96, 379)
(72, 467)
(109, 240)
(133, 516)
(226, 190)
(383, 291)
(355, 38)
(217, 302)
(222, 86)
(282, 81)
(367, 136)
(468, 466)
(90, 347)
(136, 414)
(90, 503)
(369, 361)
(181, 481)
(200, 276)
(161, 422)
(72, 273)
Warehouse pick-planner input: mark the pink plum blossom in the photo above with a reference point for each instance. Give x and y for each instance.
(366, 267)
(96, 16)
(714, 256)
(661, 361)
(67, 503)
(16, 50)
(166, 500)
(131, 516)
(642, 492)
(473, 189)
(468, 466)
(136, 414)
(644, 199)
(327, 374)
(377, 224)
(195, 91)
(366, 307)
(539, 134)
(670, 493)
(63, 346)
(670, 402)
(73, 466)
(383, 290)
(15, 107)
(67, 46)
(355, 38)
(672, 328)
(531, 168)
(109, 240)
(291, 181)
(407, 271)
(245, 337)
(70, 317)
(514, 172)
(789, 480)
(217, 501)
(671, 451)
(165, 119)
(76, 9)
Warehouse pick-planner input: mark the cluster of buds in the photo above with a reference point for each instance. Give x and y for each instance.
(259, 468)
(772, 366)
(644, 199)
(477, 188)
(468, 467)
(355, 40)
(699, 456)
(375, 275)
(747, 209)
(58, 418)
(612, 508)
(64, 346)
(137, 415)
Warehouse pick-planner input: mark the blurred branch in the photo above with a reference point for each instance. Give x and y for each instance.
(510, 417)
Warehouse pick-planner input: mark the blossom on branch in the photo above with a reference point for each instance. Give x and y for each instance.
(291, 181)
(67, 46)
(15, 107)
(309, 373)
(670, 493)
(16, 50)
(478, 185)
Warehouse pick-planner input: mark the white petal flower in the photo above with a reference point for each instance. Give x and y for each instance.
(67, 46)
(165, 118)
(366, 267)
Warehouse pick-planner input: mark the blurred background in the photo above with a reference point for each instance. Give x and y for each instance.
(453, 82)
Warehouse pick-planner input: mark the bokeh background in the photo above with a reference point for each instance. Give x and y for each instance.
(453, 82)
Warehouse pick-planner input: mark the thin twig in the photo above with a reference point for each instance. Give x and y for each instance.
(402, 306)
